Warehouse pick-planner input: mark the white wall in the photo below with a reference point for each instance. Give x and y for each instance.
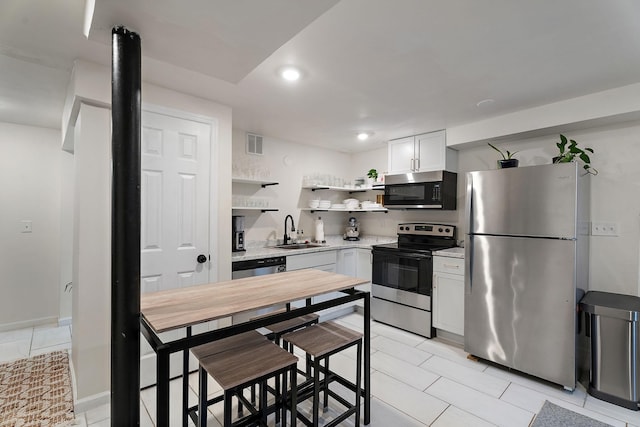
(92, 252)
(67, 173)
(29, 190)
(289, 196)
(287, 163)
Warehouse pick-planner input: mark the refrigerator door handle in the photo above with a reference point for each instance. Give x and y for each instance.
(468, 209)
(468, 259)
(468, 264)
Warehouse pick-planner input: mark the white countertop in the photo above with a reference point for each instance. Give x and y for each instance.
(333, 243)
(451, 252)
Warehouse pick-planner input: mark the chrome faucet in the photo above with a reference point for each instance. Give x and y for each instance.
(286, 239)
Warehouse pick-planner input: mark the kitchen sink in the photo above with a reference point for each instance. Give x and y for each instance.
(299, 246)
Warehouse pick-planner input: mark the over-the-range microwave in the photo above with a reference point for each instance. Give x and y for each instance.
(421, 190)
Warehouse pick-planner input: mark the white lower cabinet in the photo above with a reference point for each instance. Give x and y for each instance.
(325, 261)
(347, 262)
(448, 294)
(356, 262)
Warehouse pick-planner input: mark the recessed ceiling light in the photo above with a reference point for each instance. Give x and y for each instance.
(290, 74)
(363, 136)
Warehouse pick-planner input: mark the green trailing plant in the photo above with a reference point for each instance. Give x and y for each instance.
(506, 154)
(373, 174)
(570, 152)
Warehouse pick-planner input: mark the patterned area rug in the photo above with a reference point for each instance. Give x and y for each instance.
(556, 416)
(36, 391)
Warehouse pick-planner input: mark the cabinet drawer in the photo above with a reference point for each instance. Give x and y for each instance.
(311, 260)
(448, 265)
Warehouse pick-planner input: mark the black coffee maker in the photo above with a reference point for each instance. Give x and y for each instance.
(237, 229)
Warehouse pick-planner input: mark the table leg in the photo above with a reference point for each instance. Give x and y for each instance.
(367, 358)
(162, 388)
(185, 383)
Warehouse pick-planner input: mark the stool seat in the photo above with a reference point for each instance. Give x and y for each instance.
(225, 344)
(238, 362)
(293, 324)
(323, 338)
(244, 364)
(288, 325)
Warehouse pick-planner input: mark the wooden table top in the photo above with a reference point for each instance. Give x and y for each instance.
(178, 308)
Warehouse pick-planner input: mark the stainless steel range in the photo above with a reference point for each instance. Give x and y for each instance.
(402, 276)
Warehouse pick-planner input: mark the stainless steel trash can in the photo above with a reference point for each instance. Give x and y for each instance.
(613, 329)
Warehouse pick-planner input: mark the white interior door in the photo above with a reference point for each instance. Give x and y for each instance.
(175, 211)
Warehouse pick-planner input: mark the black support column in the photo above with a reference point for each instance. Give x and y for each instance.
(125, 233)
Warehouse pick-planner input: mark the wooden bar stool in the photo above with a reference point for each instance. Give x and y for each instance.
(278, 329)
(320, 342)
(237, 363)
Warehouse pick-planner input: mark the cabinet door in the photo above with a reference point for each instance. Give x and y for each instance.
(401, 155)
(364, 264)
(347, 262)
(430, 151)
(448, 302)
(363, 270)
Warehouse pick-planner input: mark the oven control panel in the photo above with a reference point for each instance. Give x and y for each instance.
(425, 229)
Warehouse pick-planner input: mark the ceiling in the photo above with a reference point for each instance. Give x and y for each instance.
(391, 67)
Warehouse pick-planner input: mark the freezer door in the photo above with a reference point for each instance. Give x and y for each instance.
(527, 201)
(520, 304)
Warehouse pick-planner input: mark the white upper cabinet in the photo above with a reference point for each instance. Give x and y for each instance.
(422, 153)
(402, 155)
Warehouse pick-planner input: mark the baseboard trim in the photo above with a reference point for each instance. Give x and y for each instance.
(64, 321)
(86, 403)
(28, 324)
(90, 402)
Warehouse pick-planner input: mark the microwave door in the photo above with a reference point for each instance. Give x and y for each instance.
(417, 195)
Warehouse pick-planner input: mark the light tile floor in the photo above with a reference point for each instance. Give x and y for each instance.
(415, 382)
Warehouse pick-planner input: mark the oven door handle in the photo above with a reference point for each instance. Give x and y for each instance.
(399, 256)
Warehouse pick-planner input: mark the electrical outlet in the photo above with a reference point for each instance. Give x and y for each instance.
(600, 228)
(26, 226)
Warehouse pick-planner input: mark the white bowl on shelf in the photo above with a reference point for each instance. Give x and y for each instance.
(338, 206)
(314, 203)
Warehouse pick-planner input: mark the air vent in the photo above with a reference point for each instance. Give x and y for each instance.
(254, 144)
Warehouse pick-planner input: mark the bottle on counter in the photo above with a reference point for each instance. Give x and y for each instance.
(320, 230)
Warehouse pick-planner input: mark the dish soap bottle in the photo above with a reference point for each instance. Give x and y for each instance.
(319, 231)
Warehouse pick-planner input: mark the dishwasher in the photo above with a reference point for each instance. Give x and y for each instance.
(257, 267)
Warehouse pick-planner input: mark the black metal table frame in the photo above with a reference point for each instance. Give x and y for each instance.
(163, 350)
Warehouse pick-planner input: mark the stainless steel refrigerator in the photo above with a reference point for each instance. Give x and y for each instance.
(526, 254)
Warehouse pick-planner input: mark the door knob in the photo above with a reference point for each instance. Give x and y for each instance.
(202, 259)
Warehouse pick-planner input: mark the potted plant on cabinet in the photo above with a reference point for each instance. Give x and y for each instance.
(571, 152)
(507, 160)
